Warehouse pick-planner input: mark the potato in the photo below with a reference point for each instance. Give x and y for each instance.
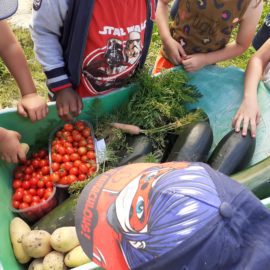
(36, 264)
(76, 257)
(17, 229)
(54, 261)
(36, 243)
(64, 239)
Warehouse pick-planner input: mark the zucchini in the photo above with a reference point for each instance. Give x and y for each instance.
(193, 143)
(141, 145)
(61, 216)
(233, 153)
(256, 178)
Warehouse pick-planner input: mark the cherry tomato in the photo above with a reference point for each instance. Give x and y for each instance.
(35, 163)
(61, 150)
(66, 134)
(32, 191)
(27, 198)
(45, 170)
(69, 139)
(49, 184)
(42, 153)
(67, 166)
(36, 199)
(46, 179)
(79, 125)
(16, 204)
(27, 177)
(82, 177)
(77, 137)
(82, 150)
(68, 127)
(62, 173)
(74, 156)
(35, 203)
(26, 184)
(56, 158)
(67, 144)
(65, 158)
(18, 196)
(86, 132)
(23, 205)
(34, 181)
(54, 177)
(43, 162)
(16, 183)
(40, 192)
(91, 155)
(84, 158)
(71, 179)
(74, 171)
(63, 181)
(75, 144)
(82, 142)
(59, 134)
(77, 163)
(70, 150)
(40, 184)
(47, 194)
(83, 168)
(18, 175)
(55, 166)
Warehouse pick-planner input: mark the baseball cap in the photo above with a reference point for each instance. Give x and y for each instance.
(177, 216)
(7, 8)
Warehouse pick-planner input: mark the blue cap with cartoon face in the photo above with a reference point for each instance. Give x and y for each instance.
(7, 8)
(173, 216)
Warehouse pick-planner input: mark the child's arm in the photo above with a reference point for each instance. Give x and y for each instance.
(31, 104)
(10, 148)
(173, 49)
(244, 37)
(249, 112)
(46, 28)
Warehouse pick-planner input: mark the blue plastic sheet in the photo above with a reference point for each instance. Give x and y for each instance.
(222, 90)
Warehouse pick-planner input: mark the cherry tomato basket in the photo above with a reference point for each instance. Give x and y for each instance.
(93, 162)
(34, 213)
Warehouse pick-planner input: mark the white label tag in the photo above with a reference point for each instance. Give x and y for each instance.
(100, 150)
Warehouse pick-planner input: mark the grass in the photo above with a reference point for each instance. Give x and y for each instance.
(9, 92)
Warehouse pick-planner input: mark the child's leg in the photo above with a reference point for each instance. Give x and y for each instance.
(161, 63)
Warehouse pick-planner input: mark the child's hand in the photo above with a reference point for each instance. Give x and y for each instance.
(10, 148)
(248, 114)
(194, 62)
(174, 51)
(33, 106)
(68, 103)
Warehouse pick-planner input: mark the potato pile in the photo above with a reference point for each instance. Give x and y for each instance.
(57, 251)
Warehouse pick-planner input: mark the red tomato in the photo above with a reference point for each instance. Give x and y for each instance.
(27, 177)
(46, 179)
(69, 139)
(82, 142)
(75, 144)
(67, 166)
(40, 184)
(74, 156)
(49, 184)
(67, 144)
(29, 169)
(35, 163)
(23, 205)
(16, 204)
(35, 203)
(16, 183)
(54, 177)
(55, 166)
(83, 168)
(40, 192)
(82, 150)
(45, 170)
(20, 189)
(56, 158)
(86, 132)
(74, 171)
(43, 162)
(27, 198)
(66, 134)
(68, 127)
(26, 184)
(84, 158)
(34, 181)
(47, 194)
(32, 191)
(77, 137)
(18, 175)
(62, 173)
(79, 125)
(70, 150)
(71, 179)
(42, 153)
(65, 158)
(91, 155)
(36, 199)
(82, 177)
(63, 180)
(59, 134)
(77, 163)
(18, 196)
